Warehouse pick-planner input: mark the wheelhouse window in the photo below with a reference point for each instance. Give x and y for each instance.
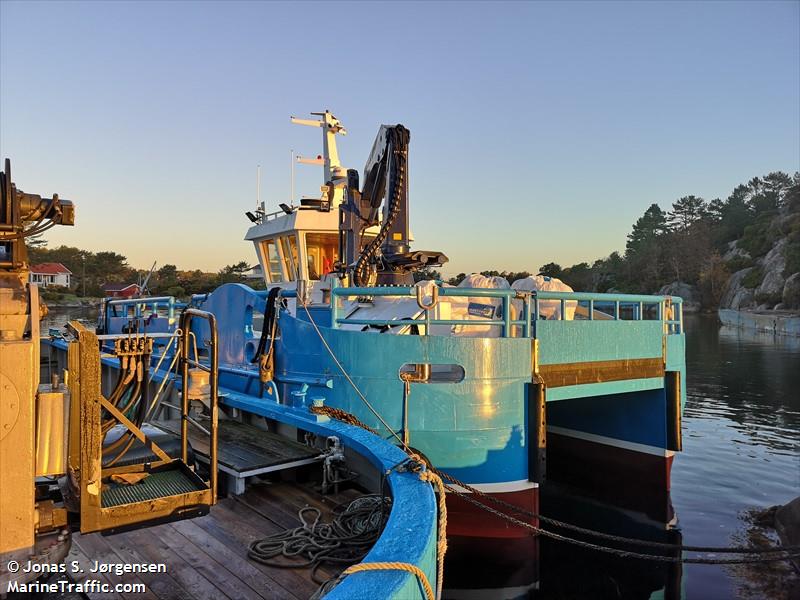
(272, 260)
(322, 249)
(289, 248)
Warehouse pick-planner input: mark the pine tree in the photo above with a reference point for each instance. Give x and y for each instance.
(686, 212)
(647, 228)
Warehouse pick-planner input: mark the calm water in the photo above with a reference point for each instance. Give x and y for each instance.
(741, 447)
(741, 429)
(741, 452)
(57, 316)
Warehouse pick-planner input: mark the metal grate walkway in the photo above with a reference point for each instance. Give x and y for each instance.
(161, 484)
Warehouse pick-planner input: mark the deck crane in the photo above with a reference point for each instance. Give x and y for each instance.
(387, 258)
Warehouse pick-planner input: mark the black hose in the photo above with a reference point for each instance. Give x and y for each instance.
(397, 145)
(270, 319)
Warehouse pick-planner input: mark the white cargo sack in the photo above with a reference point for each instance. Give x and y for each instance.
(548, 309)
(478, 308)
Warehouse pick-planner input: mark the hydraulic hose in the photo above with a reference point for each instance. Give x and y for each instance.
(397, 145)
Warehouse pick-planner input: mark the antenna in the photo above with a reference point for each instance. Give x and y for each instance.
(258, 187)
(291, 196)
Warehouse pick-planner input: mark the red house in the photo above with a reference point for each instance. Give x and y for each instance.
(122, 290)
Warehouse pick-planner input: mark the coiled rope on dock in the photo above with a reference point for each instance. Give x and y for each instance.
(345, 539)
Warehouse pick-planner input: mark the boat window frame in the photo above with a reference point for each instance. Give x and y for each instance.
(307, 254)
(291, 270)
(266, 263)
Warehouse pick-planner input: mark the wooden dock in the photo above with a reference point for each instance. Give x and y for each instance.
(206, 558)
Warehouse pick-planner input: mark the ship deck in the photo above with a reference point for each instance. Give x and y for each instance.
(206, 557)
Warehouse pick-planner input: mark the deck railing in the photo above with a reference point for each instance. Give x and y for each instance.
(140, 307)
(667, 309)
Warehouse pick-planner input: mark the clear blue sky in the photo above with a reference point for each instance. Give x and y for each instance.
(539, 131)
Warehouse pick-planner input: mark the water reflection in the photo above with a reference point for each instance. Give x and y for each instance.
(58, 316)
(548, 569)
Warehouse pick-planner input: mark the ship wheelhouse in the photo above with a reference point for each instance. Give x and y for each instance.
(301, 245)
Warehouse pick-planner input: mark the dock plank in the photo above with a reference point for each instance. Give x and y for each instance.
(76, 553)
(161, 584)
(99, 549)
(206, 557)
(150, 544)
(238, 535)
(234, 561)
(211, 568)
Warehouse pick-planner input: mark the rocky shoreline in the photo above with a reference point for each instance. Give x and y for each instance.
(768, 321)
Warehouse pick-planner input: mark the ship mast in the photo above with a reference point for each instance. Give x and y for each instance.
(335, 176)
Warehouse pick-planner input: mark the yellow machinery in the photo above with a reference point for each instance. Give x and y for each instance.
(111, 473)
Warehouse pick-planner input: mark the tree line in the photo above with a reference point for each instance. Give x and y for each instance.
(92, 270)
(689, 243)
(698, 242)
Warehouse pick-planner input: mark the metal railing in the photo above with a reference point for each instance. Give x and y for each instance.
(667, 309)
(140, 306)
(212, 370)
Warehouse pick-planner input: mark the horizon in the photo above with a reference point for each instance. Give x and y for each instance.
(572, 118)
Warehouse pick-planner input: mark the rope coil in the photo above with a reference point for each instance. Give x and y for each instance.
(346, 539)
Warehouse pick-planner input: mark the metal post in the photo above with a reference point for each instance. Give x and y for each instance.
(186, 321)
(672, 390)
(406, 394)
(591, 310)
(616, 310)
(506, 316)
(537, 432)
(527, 306)
(212, 323)
(334, 308)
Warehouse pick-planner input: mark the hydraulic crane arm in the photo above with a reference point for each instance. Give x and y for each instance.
(386, 258)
